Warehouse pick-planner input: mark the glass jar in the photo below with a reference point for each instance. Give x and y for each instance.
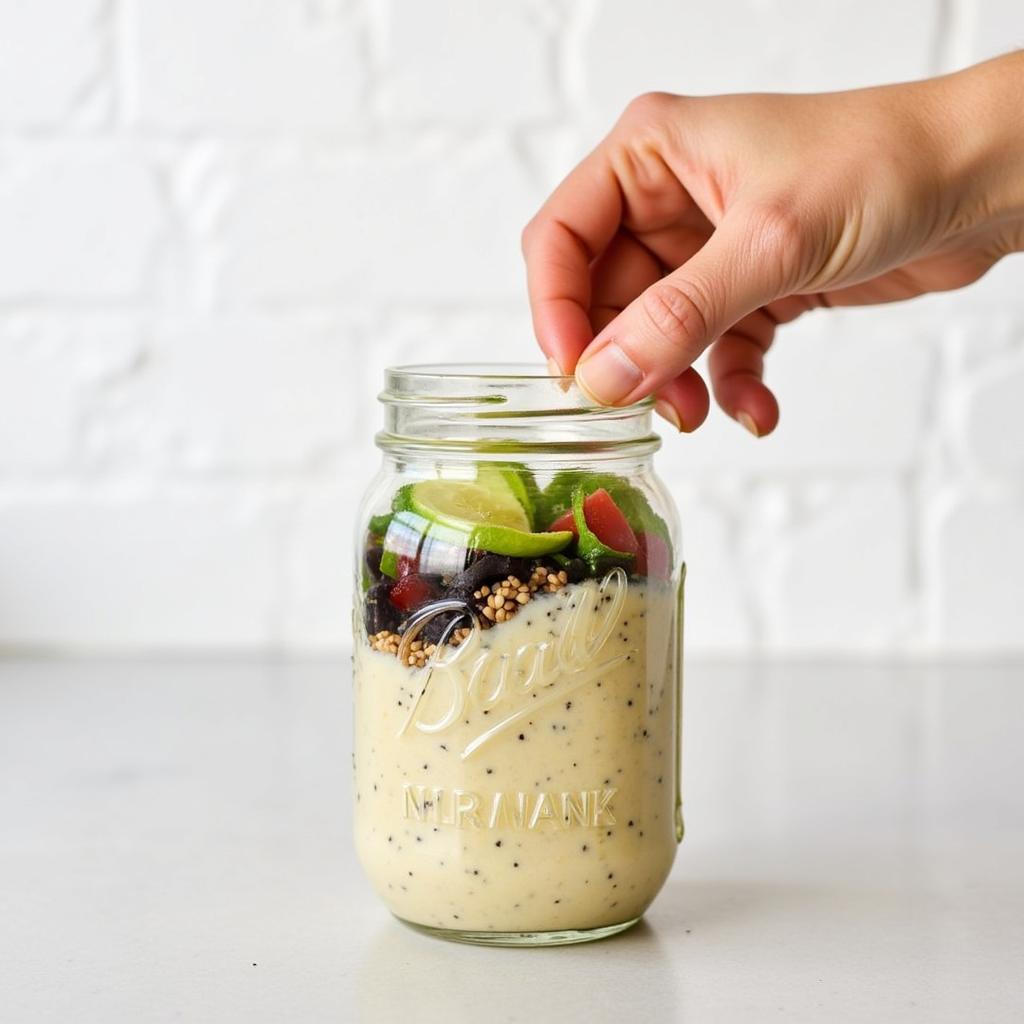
(517, 660)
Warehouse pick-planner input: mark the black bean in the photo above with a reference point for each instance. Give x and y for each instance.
(484, 569)
(373, 557)
(436, 625)
(431, 579)
(575, 569)
(378, 612)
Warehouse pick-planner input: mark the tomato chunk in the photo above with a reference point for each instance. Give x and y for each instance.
(654, 558)
(566, 521)
(406, 565)
(605, 520)
(411, 591)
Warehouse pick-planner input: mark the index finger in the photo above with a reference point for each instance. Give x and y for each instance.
(568, 233)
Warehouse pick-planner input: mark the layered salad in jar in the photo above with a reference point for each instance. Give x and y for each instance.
(516, 667)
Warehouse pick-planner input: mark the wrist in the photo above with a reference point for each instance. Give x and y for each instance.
(982, 113)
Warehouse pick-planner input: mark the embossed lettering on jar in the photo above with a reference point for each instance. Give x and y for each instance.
(517, 660)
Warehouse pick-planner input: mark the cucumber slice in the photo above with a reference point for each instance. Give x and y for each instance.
(501, 540)
(487, 516)
(458, 503)
(518, 480)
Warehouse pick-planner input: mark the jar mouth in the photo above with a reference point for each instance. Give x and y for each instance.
(482, 381)
(485, 371)
(499, 407)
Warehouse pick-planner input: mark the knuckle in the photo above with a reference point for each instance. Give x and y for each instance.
(777, 237)
(776, 226)
(673, 312)
(648, 107)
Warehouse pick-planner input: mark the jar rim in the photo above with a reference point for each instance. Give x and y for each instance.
(486, 371)
(497, 406)
(489, 374)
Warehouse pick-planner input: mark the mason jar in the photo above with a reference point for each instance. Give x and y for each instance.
(517, 659)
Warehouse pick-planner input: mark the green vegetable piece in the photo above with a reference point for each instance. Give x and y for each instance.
(401, 501)
(389, 564)
(378, 525)
(598, 556)
(557, 497)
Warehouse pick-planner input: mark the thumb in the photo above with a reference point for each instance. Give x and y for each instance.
(660, 333)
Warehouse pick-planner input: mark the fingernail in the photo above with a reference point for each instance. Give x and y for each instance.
(564, 381)
(608, 375)
(748, 421)
(668, 411)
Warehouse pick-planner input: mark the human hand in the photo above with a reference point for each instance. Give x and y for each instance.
(709, 221)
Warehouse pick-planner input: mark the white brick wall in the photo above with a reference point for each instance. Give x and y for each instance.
(396, 223)
(734, 46)
(51, 57)
(220, 221)
(78, 223)
(237, 66)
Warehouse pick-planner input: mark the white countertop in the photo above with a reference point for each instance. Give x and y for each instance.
(174, 845)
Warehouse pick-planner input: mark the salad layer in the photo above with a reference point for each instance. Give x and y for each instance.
(453, 554)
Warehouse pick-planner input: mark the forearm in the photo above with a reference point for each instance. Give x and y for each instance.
(985, 138)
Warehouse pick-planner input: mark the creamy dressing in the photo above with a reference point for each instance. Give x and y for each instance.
(526, 782)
